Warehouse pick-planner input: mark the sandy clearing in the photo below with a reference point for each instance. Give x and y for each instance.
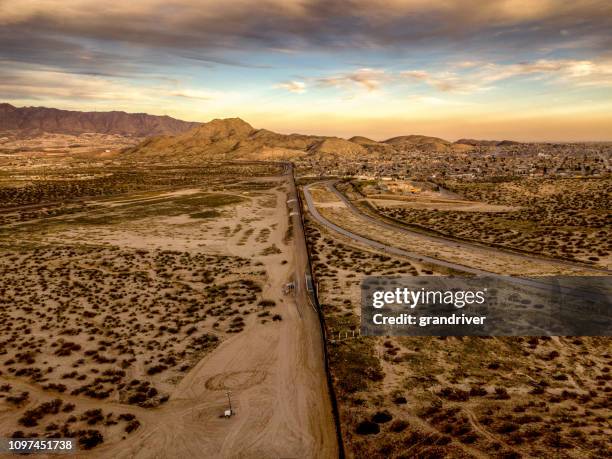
(434, 204)
(274, 371)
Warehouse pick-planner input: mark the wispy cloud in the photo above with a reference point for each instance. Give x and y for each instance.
(297, 87)
(189, 25)
(37, 84)
(364, 78)
(565, 71)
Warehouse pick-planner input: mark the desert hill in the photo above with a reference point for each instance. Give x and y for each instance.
(31, 121)
(234, 138)
(363, 140)
(485, 143)
(422, 142)
(338, 146)
(230, 138)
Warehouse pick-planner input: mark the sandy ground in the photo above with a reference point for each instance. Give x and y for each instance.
(422, 202)
(274, 374)
(274, 371)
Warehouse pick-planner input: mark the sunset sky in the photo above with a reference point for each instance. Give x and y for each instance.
(520, 69)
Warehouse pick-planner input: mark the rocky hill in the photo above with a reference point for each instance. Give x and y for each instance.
(233, 138)
(32, 121)
(421, 142)
(485, 143)
(230, 138)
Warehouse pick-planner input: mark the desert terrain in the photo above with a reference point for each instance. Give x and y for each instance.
(452, 396)
(134, 301)
(145, 287)
(566, 218)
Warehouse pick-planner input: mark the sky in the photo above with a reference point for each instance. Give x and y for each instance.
(531, 70)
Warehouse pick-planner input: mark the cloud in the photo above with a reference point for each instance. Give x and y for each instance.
(365, 78)
(204, 25)
(37, 83)
(566, 71)
(297, 87)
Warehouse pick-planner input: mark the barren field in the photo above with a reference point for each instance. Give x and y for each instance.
(128, 316)
(50, 143)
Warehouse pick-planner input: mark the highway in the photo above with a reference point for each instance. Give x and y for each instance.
(378, 245)
(461, 244)
(316, 215)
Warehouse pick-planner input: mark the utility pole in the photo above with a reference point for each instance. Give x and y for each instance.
(229, 400)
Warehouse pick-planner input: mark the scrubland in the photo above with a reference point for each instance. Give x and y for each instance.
(433, 397)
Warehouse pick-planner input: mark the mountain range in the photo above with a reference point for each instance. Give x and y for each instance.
(30, 121)
(230, 138)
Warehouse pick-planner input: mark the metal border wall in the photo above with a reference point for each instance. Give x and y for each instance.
(315, 300)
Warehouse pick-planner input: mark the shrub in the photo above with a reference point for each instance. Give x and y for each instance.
(381, 417)
(398, 425)
(132, 425)
(89, 439)
(501, 393)
(478, 391)
(367, 428)
(454, 394)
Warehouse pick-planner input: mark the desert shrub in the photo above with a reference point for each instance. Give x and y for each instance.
(132, 425)
(31, 417)
(399, 425)
(89, 439)
(381, 417)
(554, 440)
(92, 416)
(156, 369)
(367, 428)
(507, 427)
(501, 393)
(68, 407)
(478, 392)
(18, 399)
(454, 394)
(267, 303)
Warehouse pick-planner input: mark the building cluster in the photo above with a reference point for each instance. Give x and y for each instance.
(531, 160)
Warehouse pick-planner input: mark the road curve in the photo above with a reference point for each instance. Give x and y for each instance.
(380, 246)
(450, 241)
(540, 283)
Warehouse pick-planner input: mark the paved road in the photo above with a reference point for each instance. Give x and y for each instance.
(380, 246)
(455, 243)
(527, 282)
